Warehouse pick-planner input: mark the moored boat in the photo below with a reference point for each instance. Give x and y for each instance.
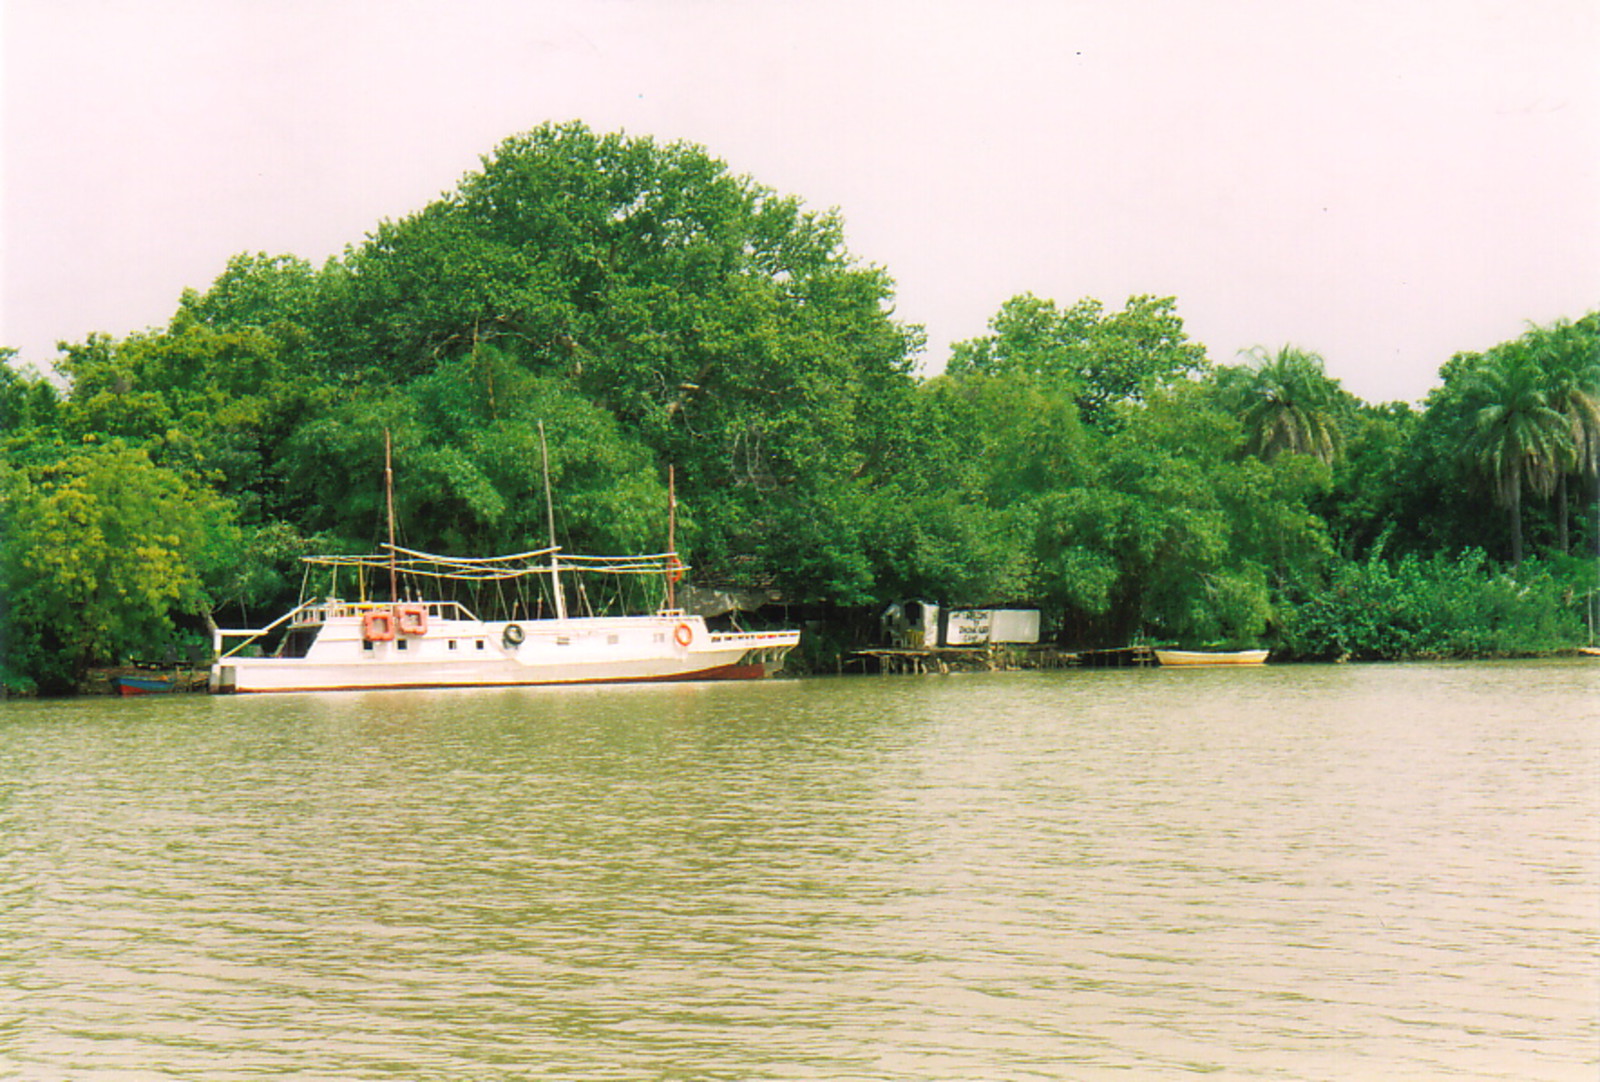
(143, 685)
(1208, 657)
(332, 644)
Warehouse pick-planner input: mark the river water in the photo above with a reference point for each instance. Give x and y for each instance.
(1298, 872)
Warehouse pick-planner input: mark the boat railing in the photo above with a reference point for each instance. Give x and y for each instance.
(753, 636)
(312, 613)
(247, 635)
(320, 612)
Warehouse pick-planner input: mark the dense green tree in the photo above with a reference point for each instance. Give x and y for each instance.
(278, 294)
(1375, 477)
(723, 325)
(958, 512)
(198, 398)
(28, 401)
(103, 548)
(1101, 359)
(468, 473)
(1207, 534)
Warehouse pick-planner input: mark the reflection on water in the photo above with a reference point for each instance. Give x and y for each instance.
(1301, 872)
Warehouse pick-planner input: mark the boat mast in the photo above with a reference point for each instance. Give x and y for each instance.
(388, 490)
(672, 543)
(550, 515)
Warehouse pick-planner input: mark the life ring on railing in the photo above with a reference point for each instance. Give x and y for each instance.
(413, 619)
(674, 568)
(512, 636)
(684, 634)
(377, 626)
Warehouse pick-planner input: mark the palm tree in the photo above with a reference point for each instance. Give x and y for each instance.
(1569, 356)
(1514, 437)
(1287, 402)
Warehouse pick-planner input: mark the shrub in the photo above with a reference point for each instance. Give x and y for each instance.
(1442, 606)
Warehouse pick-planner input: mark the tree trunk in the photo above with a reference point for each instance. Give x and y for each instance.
(1516, 521)
(1594, 514)
(1561, 514)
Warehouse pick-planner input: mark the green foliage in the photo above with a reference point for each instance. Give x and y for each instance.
(1202, 530)
(1102, 360)
(102, 548)
(1372, 476)
(1287, 403)
(1512, 428)
(280, 295)
(1516, 440)
(203, 400)
(1567, 357)
(723, 327)
(649, 309)
(28, 402)
(1439, 606)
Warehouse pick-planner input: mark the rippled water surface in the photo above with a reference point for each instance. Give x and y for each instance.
(1297, 872)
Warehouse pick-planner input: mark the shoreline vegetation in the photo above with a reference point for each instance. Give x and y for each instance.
(653, 309)
(888, 661)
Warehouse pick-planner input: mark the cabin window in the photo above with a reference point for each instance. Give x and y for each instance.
(366, 644)
(480, 644)
(611, 640)
(400, 644)
(563, 640)
(661, 636)
(452, 644)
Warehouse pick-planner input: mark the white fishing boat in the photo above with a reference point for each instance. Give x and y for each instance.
(412, 641)
(1209, 657)
(335, 645)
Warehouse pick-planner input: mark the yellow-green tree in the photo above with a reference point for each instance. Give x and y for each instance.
(101, 549)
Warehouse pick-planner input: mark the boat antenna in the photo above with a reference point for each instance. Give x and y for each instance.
(550, 515)
(388, 490)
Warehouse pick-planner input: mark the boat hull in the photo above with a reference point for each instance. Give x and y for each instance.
(143, 685)
(456, 654)
(1188, 658)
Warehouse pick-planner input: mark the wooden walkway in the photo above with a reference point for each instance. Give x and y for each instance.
(945, 659)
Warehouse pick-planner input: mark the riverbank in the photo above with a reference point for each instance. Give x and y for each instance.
(179, 681)
(874, 661)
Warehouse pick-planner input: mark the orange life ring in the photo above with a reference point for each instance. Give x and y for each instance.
(413, 619)
(675, 569)
(684, 634)
(377, 626)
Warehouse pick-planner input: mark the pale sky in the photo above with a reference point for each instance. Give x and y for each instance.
(1385, 183)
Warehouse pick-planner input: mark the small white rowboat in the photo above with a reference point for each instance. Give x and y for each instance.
(1202, 657)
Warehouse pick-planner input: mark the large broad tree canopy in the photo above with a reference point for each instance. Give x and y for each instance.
(723, 325)
(689, 301)
(1103, 358)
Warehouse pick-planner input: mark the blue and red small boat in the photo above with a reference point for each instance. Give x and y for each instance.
(143, 685)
